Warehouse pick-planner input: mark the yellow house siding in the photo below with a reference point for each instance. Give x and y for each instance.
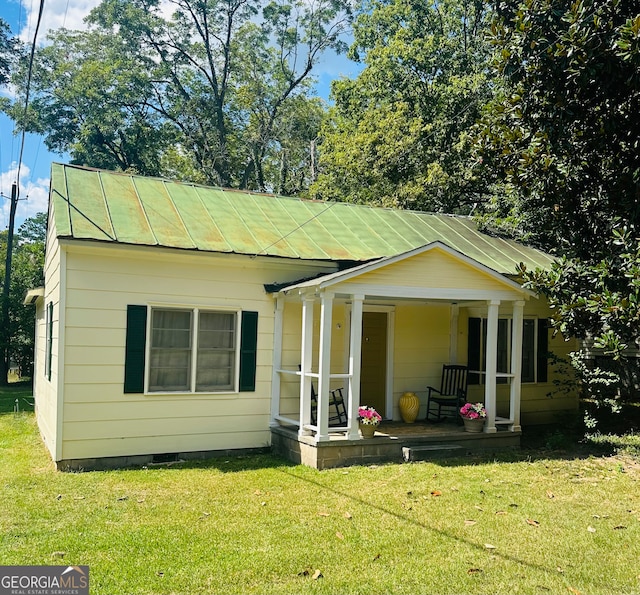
(45, 390)
(421, 348)
(99, 419)
(435, 268)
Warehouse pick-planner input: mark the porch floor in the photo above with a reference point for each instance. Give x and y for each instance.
(394, 441)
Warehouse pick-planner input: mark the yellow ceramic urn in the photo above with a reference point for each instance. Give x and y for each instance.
(409, 405)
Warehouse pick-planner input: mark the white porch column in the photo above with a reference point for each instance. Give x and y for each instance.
(355, 358)
(277, 359)
(453, 332)
(491, 349)
(306, 358)
(324, 365)
(516, 365)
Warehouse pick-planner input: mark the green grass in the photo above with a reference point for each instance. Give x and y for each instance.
(17, 394)
(558, 523)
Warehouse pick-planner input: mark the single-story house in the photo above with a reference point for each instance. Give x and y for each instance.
(178, 318)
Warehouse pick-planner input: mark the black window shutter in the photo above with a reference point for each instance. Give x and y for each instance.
(49, 358)
(135, 349)
(473, 348)
(543, 349)
(248, 348)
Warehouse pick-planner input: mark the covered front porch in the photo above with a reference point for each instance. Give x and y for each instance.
(394, 442)
(423, 299)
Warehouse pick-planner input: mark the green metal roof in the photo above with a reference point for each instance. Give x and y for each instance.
(128, 209)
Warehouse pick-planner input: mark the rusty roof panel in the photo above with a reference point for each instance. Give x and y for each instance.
(60, 205)
(128, 219)
(293, 216)
(136, 210)
(88, 211)
(285, 227)
(220, 207)
(344, 224)
(162, 215)
(255, 212)
(331, 245)
(396, 234)
(202, 228)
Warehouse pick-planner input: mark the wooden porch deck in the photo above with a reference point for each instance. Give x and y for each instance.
(393, 442)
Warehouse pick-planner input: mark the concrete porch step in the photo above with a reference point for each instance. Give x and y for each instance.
(432, 451)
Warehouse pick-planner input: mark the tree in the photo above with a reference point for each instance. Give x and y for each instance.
(27, 273)
(90, 97)
(8, 49)
(205, 93)
(564, 136)
(398, 135)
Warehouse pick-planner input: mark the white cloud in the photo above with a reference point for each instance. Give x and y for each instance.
(57, 13)
(33, 196)
(69, 14)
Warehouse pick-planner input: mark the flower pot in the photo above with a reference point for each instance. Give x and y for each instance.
(409, 405)
(367, 430)
(473, 425)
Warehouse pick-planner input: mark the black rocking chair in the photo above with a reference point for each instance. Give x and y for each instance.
(337, 408)
(452, 393)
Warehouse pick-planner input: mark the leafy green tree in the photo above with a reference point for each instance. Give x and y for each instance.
(564, 136)
(27, 273)
(204, 94)
(398, 134)
(8, 48)
(90, 98)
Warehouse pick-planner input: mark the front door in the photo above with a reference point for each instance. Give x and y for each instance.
(373, 374)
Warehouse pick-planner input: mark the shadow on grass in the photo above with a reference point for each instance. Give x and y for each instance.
(378, 508)
(229, 464)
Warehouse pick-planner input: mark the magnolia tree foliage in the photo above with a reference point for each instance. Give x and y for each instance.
(217, 91)
(399, 132)
(564, 135)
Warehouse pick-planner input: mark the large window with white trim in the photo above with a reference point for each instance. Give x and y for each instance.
(192, 350)
(534, 350)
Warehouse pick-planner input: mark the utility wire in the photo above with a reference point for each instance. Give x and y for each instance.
(5, 333)
(26, 99)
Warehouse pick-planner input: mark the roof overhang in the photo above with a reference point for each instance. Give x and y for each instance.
(349, 278)
(33, 295)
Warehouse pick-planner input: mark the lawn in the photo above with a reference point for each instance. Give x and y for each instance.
(529, 522)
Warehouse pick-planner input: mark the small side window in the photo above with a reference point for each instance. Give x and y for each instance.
(49, 341)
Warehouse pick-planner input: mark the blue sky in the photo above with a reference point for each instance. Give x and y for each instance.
(36, 162)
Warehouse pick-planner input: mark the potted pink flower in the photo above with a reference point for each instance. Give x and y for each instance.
(473, 416)
(369, 419)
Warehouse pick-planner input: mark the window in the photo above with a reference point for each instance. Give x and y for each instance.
(49, 341)
(192, 350)
(534, 349)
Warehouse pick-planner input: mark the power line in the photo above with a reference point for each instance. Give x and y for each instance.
(26, 99)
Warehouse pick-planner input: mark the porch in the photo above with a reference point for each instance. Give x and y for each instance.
(394, 442)
(384, 328)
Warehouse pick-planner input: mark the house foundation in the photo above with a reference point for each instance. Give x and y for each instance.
(393, 443)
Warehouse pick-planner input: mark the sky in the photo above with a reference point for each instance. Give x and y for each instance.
(21, 15)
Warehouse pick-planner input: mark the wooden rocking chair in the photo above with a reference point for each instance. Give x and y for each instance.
(452, 393)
